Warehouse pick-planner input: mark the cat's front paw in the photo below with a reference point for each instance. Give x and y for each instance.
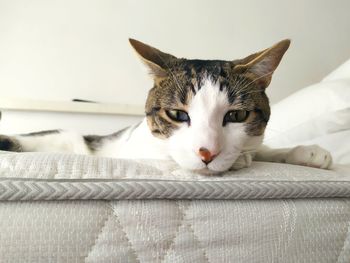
(243, 161)
(313, 156)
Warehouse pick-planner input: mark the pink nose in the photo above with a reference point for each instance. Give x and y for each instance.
(206, 155)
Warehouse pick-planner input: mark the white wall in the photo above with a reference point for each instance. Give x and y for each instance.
(17, 122)
(78, 48)
(64, 49)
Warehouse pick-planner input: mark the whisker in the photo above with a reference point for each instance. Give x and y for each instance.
(238, 91)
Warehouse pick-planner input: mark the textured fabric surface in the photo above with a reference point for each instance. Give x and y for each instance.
(283, 226)
(24, 190)
(38, 176)
(302, 230)
(72, 166)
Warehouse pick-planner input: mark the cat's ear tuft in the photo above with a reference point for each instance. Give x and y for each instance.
(157, 61)
(261, 65)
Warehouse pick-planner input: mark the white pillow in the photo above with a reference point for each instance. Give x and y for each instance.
(314, 111)
(342, 72)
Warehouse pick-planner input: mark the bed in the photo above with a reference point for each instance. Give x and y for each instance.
(72, 208)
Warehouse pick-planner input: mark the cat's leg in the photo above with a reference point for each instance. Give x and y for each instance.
(46, 141)
(312, 155)
(243, 161)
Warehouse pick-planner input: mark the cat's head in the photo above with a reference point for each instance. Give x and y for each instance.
(209, 111)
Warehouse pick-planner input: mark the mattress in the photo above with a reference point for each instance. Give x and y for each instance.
(73, 208)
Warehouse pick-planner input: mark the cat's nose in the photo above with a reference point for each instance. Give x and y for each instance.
(206, 155)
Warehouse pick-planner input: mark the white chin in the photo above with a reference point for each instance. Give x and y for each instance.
(193, 163)
(201, 168)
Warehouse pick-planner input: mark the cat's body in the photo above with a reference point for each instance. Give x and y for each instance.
(207, 115)
(134, 142)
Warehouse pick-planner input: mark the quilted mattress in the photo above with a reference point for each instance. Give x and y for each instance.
(73, 208)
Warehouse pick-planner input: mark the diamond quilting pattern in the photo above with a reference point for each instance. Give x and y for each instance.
(149, 226)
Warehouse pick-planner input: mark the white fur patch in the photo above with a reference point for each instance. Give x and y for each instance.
(207, 111)
(140, 144)
(64, 142)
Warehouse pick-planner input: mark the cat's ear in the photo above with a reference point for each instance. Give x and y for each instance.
(261, 65)
(156, 60)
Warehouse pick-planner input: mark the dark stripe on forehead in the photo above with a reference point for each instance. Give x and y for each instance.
(215, 70)
(223, 84)
(223, 73)
(182, 95)
(192, 88)
(231, 95)
(199, 82)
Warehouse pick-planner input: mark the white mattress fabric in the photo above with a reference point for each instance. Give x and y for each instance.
(72, 208)
(41, 176)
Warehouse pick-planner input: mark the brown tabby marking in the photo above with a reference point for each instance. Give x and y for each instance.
(176, 82)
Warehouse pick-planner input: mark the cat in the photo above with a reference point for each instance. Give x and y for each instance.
(209, 116)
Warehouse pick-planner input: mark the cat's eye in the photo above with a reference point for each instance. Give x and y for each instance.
(236, 116)
(178, 115)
